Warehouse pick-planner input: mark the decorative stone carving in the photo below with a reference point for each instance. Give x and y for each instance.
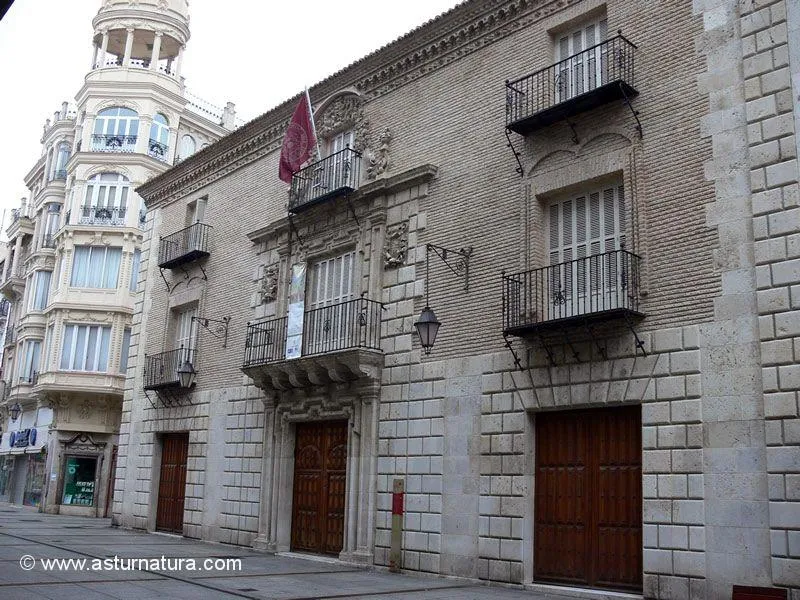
(344, 113)
(269, 284)
(378, 160)
(396, 247)
(85, 410)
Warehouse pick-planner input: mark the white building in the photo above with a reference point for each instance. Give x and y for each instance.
(73, 255)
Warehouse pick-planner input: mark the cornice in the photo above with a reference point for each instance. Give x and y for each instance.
(453, 35)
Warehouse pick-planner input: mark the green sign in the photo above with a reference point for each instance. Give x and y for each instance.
(79, 480)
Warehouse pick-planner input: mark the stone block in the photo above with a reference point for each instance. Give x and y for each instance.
(657, 561)
(689, 512)
(667, 340)
(673, 537)
(689, 563)
(686, 411)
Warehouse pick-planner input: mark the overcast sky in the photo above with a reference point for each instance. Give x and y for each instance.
(256, 53)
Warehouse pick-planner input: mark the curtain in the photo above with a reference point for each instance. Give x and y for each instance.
(96, 267)
(85, 348)
(126, 346)
(137, 257)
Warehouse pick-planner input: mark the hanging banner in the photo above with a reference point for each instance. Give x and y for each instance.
(297, 305)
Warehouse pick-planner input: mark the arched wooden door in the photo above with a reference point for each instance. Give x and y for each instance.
(320, 475)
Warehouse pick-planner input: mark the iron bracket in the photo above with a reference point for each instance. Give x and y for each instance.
(352, 210)
(459, 266)
(575, 139)
(520, 171)
(220, 331)
(547, 350)
(513, 352)
(600, 349)
(169, 397)
(169, 289)
(639, 341)
(186, 275)
(634, 112)
(147, 395)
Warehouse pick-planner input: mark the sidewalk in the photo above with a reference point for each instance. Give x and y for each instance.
(26, 533)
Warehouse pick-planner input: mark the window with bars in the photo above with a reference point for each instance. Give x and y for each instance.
(581, 62)
(85, 348)
(331, 281)
(582, 229)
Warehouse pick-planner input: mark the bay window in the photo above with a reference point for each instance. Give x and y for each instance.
(40, 288)
(95, 267)
(85, 348)
(106, 200)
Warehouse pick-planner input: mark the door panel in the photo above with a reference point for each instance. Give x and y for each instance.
(588, 504)
(320, 473)
(172, 483)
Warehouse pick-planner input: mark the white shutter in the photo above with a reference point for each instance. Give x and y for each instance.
(331, 281)
(587, 225)
(184, 331)
(580, 71)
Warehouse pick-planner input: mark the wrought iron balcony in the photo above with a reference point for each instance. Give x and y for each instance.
(579, 83)
(102, 215)
(157, 150)
(113, 143)
(344, 326)
(325, 179)
(594, 288)
(184, 246)
(161, 370)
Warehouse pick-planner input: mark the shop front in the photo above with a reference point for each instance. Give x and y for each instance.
(23, 460)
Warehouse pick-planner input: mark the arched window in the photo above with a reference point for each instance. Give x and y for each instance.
(106, 200)
(115, 130)
(60, 171)
(188, 146)
(159, 137)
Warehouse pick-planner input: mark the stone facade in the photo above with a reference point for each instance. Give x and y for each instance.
(707, 186)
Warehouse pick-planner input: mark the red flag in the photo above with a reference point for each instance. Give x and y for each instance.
(299, 141)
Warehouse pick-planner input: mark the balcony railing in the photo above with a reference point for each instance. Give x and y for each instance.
(590, 288)
(161, 370)
(184, 246)
(157, 150)
(581, 82)
(101, 215)
(328, 178)
(113, 143)
(344, 326)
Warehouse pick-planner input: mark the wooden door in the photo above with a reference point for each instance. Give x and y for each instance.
(172, 484)
(320, 463)
(588, 498)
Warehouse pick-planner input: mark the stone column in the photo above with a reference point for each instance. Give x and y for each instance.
(16, 264)
(178, 61)
(128, 47)
(143, 139)
(156, 51)
(101, 58)
(264, 540)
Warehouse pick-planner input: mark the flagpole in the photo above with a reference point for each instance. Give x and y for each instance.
(313, 125)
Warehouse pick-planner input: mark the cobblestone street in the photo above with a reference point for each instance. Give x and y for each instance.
(26, 533)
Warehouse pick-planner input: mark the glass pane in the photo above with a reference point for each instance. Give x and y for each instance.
(66, 347)
(91, 348)
(105, 340)
(79, 360)
(94, 276)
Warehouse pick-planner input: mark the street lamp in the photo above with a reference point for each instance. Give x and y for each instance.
(15, 410)
(186, 374)
(427, 328)
(428, 325)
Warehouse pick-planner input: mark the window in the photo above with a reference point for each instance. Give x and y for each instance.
(584, 62)
(85, 348)
(106, 200)
(48, 347)
(52, 218)
(185, 332)
(79, 477)
(60, 166)
(590, 224)
(159, 137)
(188, 146)
(30, 363)
(95, 267)
(125, 349)
(340, 141)
(135, 262)
(115, 130)
(196, 211)
(331, 281)
(40, 281)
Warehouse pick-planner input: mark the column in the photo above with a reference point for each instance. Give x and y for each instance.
(16, 264)
(156, 51)
(128, 46)
(143, 139)
(95, 51)
(178, 62)
(101, 59)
